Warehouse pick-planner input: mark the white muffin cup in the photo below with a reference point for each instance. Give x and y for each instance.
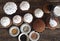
(24, 5)
(38, 13)
(10, 31)
(17, 20)
(57, 11)
(53, 23)
(22, 27)
(5, 22)
(21, 35)
(34, 39)
(28, 18)
(10, 8)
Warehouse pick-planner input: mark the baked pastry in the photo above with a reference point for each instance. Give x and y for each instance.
(46, 8)
(17, 20)
(10, 8)
(39, 25)
(28, 18)
(14, 31)
(6, 22)
(24, 5)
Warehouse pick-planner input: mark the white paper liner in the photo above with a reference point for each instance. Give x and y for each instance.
(34, 39)
(10, 31)
(5, 21)
(53, 23)
(28, 18)
(10, 8)
(22, 27)
(24, 5)
(17, 19)
(57, 11)
(38, 13)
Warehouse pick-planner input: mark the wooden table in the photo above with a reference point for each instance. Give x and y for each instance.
(47, 35)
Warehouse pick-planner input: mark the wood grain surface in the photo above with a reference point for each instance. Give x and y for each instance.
(47, 35)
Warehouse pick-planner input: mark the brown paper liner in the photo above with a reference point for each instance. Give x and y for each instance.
(39, 25)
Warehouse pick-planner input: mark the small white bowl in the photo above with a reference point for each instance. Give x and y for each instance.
(5, 22)
(17, 20)
(24, 5)
(28, 18)
(38, 13)
(10, 8)
(57, 11)
(36, 38)
(21, 35)
(24, 26)
(10, 31)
